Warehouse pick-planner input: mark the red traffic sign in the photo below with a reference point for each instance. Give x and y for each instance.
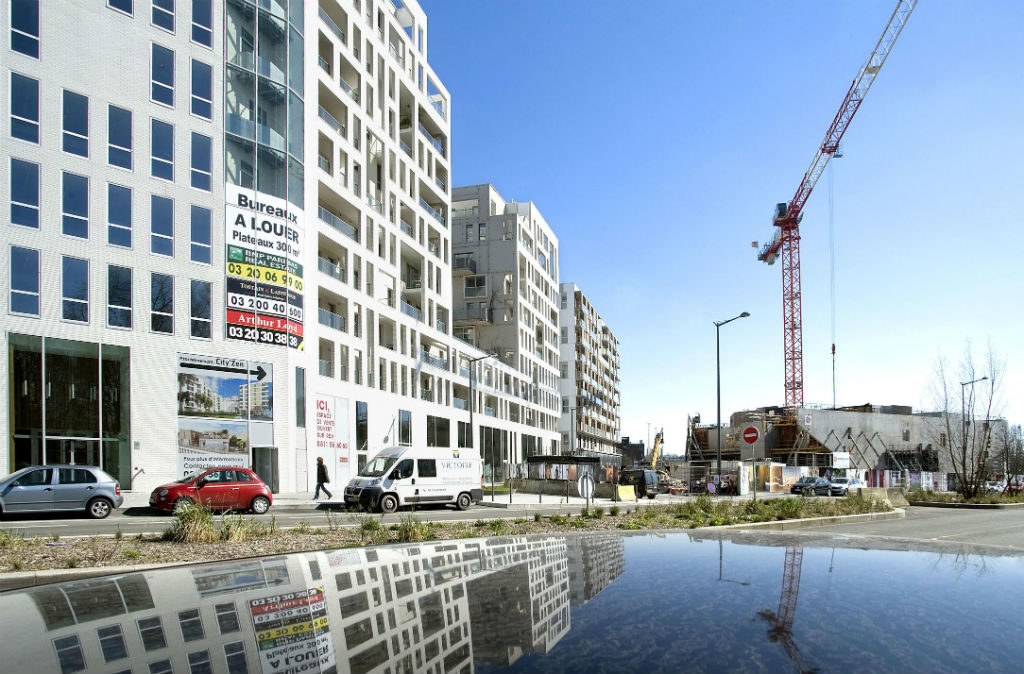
(750, 435)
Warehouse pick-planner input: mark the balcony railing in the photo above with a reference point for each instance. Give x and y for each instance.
(331, 269)
(333, 27)
(331, 319)
(440, 183)
(459, 403)
(464, 262)
(405, 147)
(475, 292)
(326, 368)
(338, 224)
(406, 227)
(438, 145)
(410, 310)
(394, 52)
(325, 64)
(441, 325)
(332, 121)
(412, 283)
(354, 93)
(440, 108)
(464, 372)
(436, 361)
(433, 211)
(473, 313)
(489, 411)
(433, 247)
(324, 163)
(426, 394)
(374, 203)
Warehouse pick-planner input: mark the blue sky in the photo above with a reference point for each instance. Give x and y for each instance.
(657, 138)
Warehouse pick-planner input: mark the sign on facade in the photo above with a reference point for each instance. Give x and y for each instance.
(331, 440)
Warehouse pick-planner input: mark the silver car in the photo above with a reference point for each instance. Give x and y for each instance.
(842, 485)
(60, 487)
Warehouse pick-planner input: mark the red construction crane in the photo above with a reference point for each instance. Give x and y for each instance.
(780, 624)
(787, 216)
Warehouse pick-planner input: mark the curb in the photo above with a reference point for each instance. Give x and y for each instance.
(968, 506)
(20, 580)
(810, 522)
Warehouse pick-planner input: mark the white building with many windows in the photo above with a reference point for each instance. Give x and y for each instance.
(233, 219)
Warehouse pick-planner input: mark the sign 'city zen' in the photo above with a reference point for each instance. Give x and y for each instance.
(263, 235)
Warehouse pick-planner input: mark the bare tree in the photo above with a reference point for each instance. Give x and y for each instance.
(964, 395)
(1008, 451)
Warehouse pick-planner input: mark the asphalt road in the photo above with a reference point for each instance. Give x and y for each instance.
(999, 527)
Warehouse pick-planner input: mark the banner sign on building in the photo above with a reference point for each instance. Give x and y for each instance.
(292, 632)
(222, 402)
(263, 235)
(331, 437)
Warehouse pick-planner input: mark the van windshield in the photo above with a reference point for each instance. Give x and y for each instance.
(379, 466)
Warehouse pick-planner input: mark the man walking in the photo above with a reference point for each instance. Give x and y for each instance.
(322, 478)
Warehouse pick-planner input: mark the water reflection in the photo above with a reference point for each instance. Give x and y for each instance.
(589, 603)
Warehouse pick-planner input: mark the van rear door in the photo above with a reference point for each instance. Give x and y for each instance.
(432, 488)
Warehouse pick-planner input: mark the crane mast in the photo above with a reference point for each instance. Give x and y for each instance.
(786, 239)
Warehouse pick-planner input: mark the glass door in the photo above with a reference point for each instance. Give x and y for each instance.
(74, 451)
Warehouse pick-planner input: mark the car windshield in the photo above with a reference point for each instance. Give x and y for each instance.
(378, 466)
(840, 480)
(191, 476)
(807, 478)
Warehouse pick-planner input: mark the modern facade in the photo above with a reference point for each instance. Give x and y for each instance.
(228, 241)
(505, 294)
(588, 377)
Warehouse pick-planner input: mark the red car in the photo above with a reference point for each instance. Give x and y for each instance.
(220, 488)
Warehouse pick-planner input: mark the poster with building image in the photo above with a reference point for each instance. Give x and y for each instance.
(224, 404)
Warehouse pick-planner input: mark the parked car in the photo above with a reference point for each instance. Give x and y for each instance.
(403, 476)
(60, 488)
(842, 485)
(220, 488)
(645, 482)
(819, 486)
(1015, 485)
(994, 486)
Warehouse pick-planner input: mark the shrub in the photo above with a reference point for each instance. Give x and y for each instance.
(630, 525)
(10, 539)
(789, 508)
(579, 523)
(16, 565)
(412, 530)
(301, 528)
(585, 513)
(237, 529)
(131, 554)
(597, 513)
(72, 563)
(614, 511)
(537, 517)
(497, 527)
(193, 523)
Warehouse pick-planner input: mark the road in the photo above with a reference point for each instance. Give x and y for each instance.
(1001, 527)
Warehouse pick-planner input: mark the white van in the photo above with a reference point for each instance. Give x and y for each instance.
(401, 476)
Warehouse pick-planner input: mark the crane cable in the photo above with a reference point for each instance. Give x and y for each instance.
(832, 268)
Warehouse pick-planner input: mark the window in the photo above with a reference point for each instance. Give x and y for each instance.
(202, 89)
(565, 335)
(119, 297)
(162, 150)
(76, 124)
(404, 427)
(112, 642)
(199, 663)
(191, 625)
(24, 108)
(119, 215)
(235, 656)
(201, 161)
(121, 5)
(76, 206)
(161, 667)
(24, 193)
(563, 369)
(475, 286)
(202, 22)
(25, 27)
(161, 292)
(469, 233)
(24, 281)
(161, 226)
(152, 634)
(162, 75)
(300, 397)
(163, 14)
(75, 289)
(437, 436)
(119, 137)
(483, 232)
(200, 235)
(69, 654)
(227, 618)
(200, 314)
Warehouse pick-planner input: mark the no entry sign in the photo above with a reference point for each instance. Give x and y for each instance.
(750, 435)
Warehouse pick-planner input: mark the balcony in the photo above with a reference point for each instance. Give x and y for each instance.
(437, 105)
(239, 126)
(441, 325)
(412, 282)
(405, 147)
(331, 122)
(331, 26)
(433, 211)
(410, 310)
(338, 224)
(324, 163)
(326, 368)
(395, 53)
(459, 403)
(438, 145)
(473, 314)
(436, 361)
(331, 319)
(440, 183)
(463, 264)
(407, 228)
(324, 64)
(375, 203)
(488, 411)
(331, 269)
(426, 394)
(354, 93)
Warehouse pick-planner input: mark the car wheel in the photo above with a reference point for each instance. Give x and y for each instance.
(260, 505)
(181, 503)
(651, 496)
(463, 502)
(98, 508)
(388, 503)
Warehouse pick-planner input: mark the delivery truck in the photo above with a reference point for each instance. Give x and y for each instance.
(416, 476)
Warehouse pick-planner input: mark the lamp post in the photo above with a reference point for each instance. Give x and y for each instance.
(718, 393)
(472, 404)
(963, 416)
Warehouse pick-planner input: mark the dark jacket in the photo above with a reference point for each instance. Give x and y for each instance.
(321, 473)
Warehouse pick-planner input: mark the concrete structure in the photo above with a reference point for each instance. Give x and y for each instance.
(233, 221)
(589, 378)
(505, 294)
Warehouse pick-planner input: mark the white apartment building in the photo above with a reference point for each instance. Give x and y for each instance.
(589, 377)
(505, 294)
(169, 232)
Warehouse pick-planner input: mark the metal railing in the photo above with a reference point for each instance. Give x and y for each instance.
(333, 27)
(438, 145)
(410, 310)
(473, 313)
(326, 368)
(436, 361)
(374, 203)
(433, 211)
(338, 224)
(324, 163)
(331, 269)
(406, 227)
(459, 403)
(426, 394)
(441, 325)
(332, 121)
(440, 108)
(464, 262)
(331, 319)
(354, 93)
(325, 64)
(440, 183)
(405, 147)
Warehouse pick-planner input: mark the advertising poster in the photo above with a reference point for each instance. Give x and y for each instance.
(292, 632)
(331, 439)
(263, 270)
(220, 400)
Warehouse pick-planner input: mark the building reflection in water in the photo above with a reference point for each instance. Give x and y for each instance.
(440, 607)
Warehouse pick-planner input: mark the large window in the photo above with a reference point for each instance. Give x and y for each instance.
(438, 434)
(121, 5)
(161, 293)
(475, 286)
(75, 289)
(25, 27)
(112, 642)
(202, 22)
(119, 297)
(76, 124)
(24, 281)
(162, 75)
(119, 137)
(200, 235)
(119, 215)
(163, 14)
(69, 654)
(24, 108)
(202, 89)
(201, 161)
(465, 435)
(300, 397)
(24, 193)
(75, 199)
(200, 314)
(162, 226)
(162, 150)
(404, 427)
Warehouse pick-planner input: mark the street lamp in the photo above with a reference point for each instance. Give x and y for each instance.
(472, 404)
(963, 413)
(718, 395)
